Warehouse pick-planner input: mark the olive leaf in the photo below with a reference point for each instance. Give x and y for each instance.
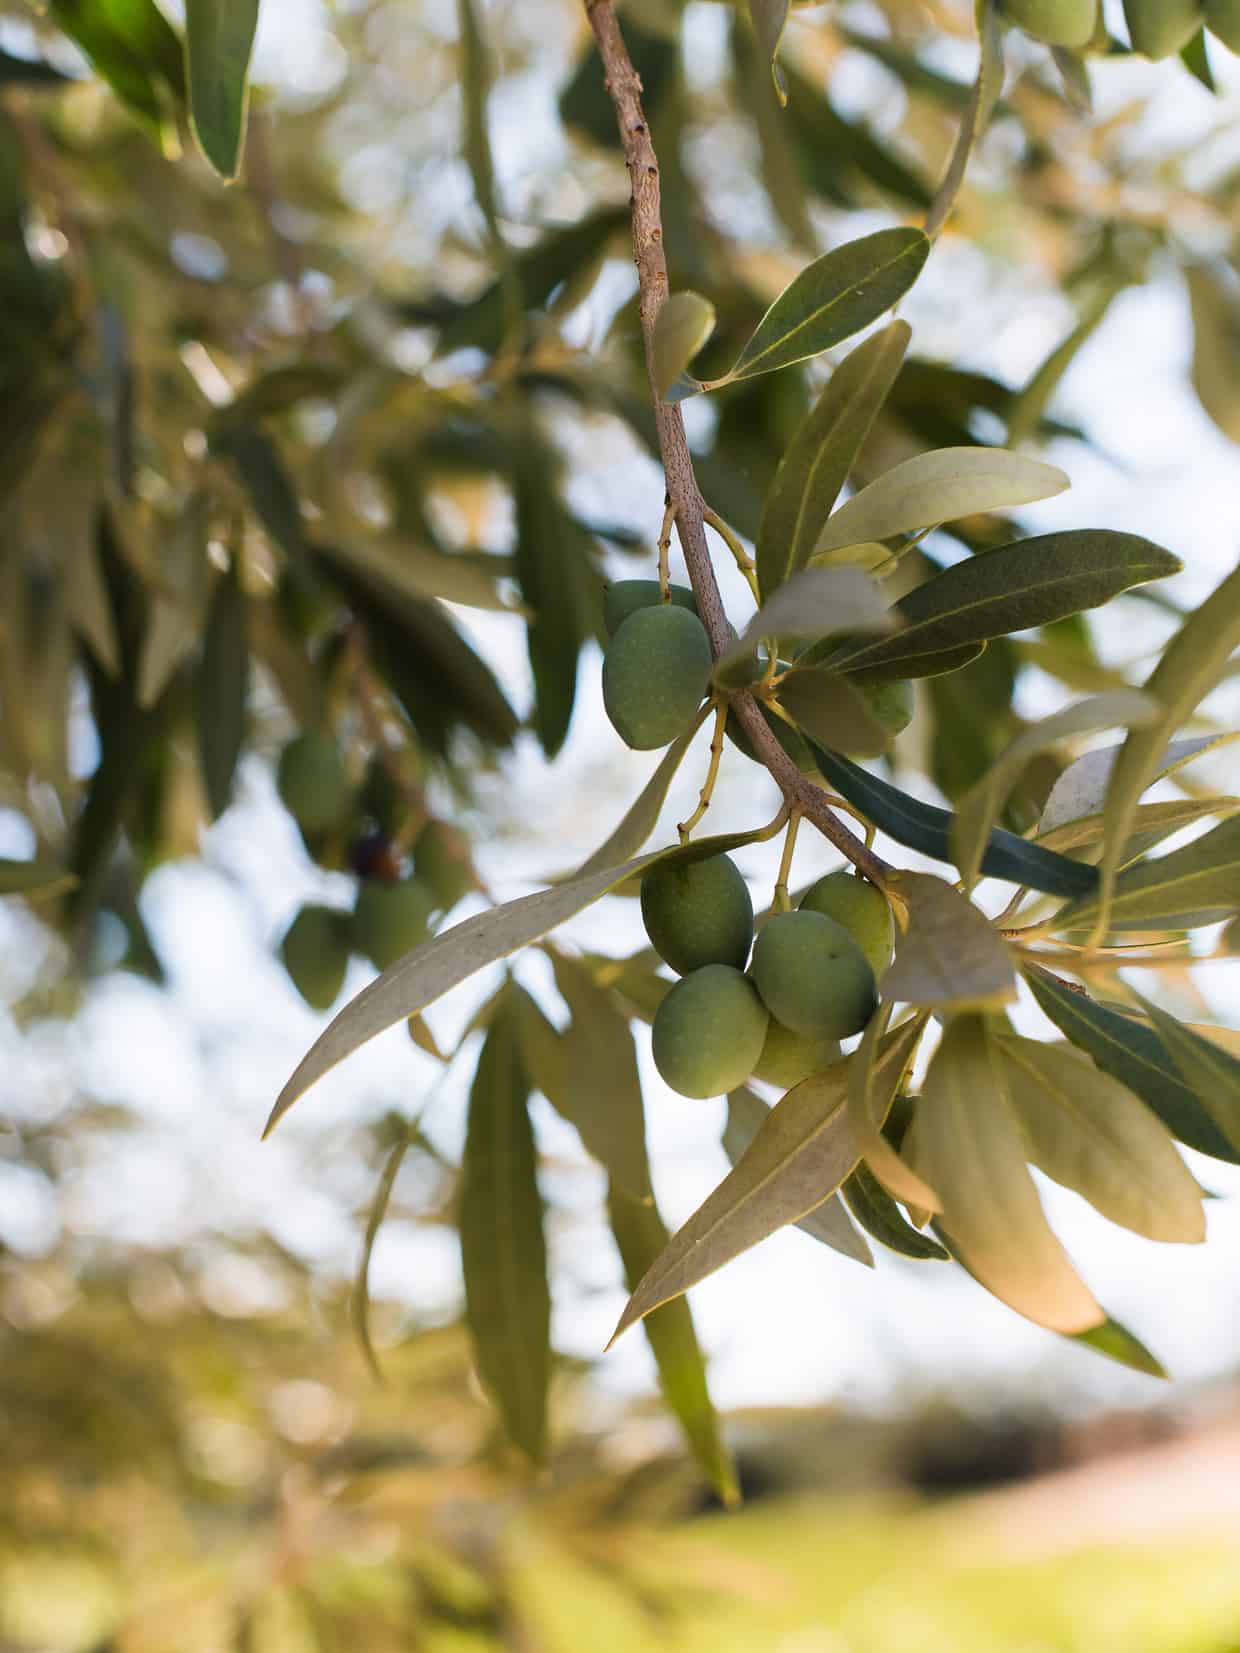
(769, 18)
(431, 970)
(1091, 1134)
(1213, 1072)
(39, 877)
(683, 325)
(981, 106)
(1198, 884)
(828, 1222)
(221, 684)
(823, 451)
(219, 37)
(832, 298)
(938, 487)
(828, 707)
(1153, 823)
(1029, 583)
(978, 810)
(640, 1236)
(967, 1144)
(817, 602)
(881, 1218)
(601, 1093)
(1189, 668)
(870, 1101)
(950, 956)
(503, 1252)
(1082, 788)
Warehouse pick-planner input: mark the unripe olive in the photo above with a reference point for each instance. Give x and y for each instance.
(1160, 28)
(1223, 21)
(390, 920)
(709, 1031)
(812, 975)
(625, 597)
(312, 782)
(861, 908)
(698, 912)
(655, 672)
(891, 700)
(315, 951)
(789, 1057)
(1057, 22)
(441, 861)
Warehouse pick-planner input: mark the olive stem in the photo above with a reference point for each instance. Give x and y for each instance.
(712, 774)
(740, 556)
(665, 547)
(623, 85)
(781, 902)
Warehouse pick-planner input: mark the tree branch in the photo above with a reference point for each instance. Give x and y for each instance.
(684, 497)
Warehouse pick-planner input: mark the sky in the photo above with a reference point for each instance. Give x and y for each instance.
(201, 1062)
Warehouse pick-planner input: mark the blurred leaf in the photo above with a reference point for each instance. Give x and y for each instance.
(907, 67)
(1212, 1072)
(828, 1222)
(822, 453)
(938, 487)
(880, 1216)
(683, 325)
(977, 812)
(584, 103)
(1132, 1052)
(601, 1093)
(476, 143)
(973, 717)
(222, 682)
(1214, 294)
(814, 603)
(1199, 884)
(454, 955)
(1091, 1134)
(950, 955)
(1081, 790)
(840, 158)
(265, 479)
(219, 36)
(1196, 59)
(640, 1237)
(1153, 822)
(29, 71)
(976, 118)
(968, 1145)
(1029, 583)
(769, 19)
(1029, 406)
(507, 1301)
(130, 44)
(359, 1303)
(828, 707)
(832, 298)
(550, 552)
(177, 603)
(1191, 665)
(37, 877)
(922, 827)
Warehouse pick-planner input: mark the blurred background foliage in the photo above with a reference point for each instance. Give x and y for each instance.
(322, 453)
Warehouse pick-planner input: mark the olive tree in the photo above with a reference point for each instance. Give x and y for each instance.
(235, 410)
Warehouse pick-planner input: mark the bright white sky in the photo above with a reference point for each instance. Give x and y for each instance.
(790, 1321)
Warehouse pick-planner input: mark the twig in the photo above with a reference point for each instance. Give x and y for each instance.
(684, 497)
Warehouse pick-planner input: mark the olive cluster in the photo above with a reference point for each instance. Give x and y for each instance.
(1159, 28)
(393, 908)
(811, 980)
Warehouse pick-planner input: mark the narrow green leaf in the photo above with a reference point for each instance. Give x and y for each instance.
(828, 1222)
(359, 1302)
(817, 602)
(938, 663)
(938, 487)
(799, 1157)
(833, 298)
(922, 827)
(642, 815)
(881, 1218)
(132, 46)
(507, 1301)
(542, 1049)
(265, 479)
(1215, 304)
(219, 37)
(476, 142)
(1117, 1343)
(978, 811)
(872, 1089)
(1199, 884)
(640, 1236)
(452, 957)
(37, 877)
(1091, 1134)
(1132, 1052)
(1153, 823)
(828, 707)
(1212, 1072)
(683, 325)
(769, 18)
(1029, 583)
(982, 100)
(1195, 57)
(602, 1093)
(221, 685)
(549, 552)
(968, 1145)
(950, 955)
(1028, 408)
(822, 453)
(1189, 668)
(176, 608)
(1082, 788)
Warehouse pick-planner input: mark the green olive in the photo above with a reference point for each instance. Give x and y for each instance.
(390, 920)
(655, 672)
(708, 1032)
(861, 908)
(789, 1057)
(312, 782)
(625, 597)
(812, 975)
(698, 912)
(315, 951)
